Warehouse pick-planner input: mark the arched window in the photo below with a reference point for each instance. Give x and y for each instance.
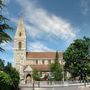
(20, 34)
(19, 45)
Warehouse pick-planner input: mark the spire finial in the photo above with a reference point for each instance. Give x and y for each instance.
(21, 23)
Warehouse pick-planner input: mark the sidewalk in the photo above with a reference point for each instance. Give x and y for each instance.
(55, 85)
(84, 88)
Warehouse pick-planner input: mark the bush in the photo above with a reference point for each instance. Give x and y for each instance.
(5, 81)
(36, 75)
(13, 74)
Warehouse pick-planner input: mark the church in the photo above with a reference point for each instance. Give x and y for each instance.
(25, 62)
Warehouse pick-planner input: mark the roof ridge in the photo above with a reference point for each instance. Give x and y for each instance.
(44, 52)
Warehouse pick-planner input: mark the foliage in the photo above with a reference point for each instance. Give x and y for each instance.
(5, 81)
(56, 69)
(13, 74)
(4, 37)
(9, 77)
(1, 4)
(76, 62)
(36, 75)
(1, 64)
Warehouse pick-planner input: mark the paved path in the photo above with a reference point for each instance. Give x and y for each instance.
(55, 87)
(58, 88)
(45, 86)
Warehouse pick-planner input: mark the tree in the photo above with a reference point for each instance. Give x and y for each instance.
(4, 37)
(1, 64)
(36, 75)
(56, 69)
(9, 77)
(13, 74)
(8, 74)
(76, 62)
(5, 81)
(1, 4)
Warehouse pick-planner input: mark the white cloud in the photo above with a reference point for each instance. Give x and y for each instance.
(43, 22)
(7, 46)
(14, 20)
(5, 10)
(85, 6)
(44, 25)
(39, 47)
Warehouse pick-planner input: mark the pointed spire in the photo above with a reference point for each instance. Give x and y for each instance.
(20, 28)
(20, 24)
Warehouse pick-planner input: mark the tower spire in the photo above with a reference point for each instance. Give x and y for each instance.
(20, 24)
(20, 46)
(20, 28)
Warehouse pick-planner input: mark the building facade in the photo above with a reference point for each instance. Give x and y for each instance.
(25, 62)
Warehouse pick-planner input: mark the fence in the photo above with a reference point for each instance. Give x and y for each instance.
(53, 84)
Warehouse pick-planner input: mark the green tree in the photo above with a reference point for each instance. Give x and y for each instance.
(56, 69)
(36, 75)
(1, 4)
(5, 81)
(13, 74)
(9, 77)
(76, 62)
(7, 72)
(1, 64)
(4, 37)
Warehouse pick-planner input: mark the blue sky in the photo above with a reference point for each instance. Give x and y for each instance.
(50, 24)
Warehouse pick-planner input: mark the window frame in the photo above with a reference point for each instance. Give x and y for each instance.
(20, 45)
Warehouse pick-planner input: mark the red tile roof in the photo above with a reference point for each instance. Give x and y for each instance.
(50, 55)
(41, 67)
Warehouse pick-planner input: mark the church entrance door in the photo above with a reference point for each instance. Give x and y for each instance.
(28, 78)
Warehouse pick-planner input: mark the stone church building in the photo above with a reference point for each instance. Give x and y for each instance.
(25, 62)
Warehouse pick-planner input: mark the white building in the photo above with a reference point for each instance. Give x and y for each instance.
(25, 61)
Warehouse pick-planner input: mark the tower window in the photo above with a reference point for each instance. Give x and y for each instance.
(20, 34)
(20, 45)
(43, 62)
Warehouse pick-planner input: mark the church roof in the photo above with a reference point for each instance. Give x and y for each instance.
(38, 67)
(42, 55)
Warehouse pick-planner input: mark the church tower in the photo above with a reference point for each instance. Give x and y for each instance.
(20, 47)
